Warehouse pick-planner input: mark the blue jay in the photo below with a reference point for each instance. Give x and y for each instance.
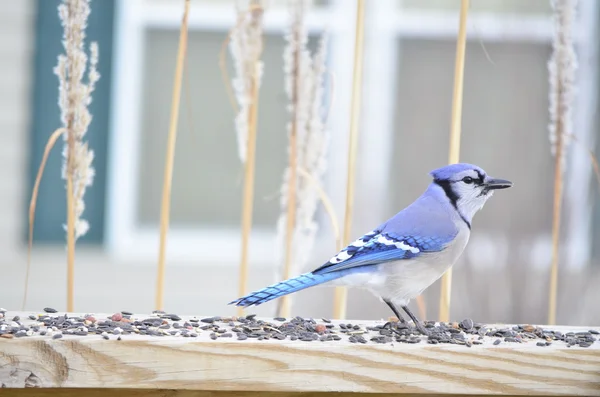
(399, 259)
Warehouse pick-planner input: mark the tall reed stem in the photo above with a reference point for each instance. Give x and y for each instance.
(285, 307)
(558, 186)
(339, 303)
(248, 198)
(70, 241)
(170, 157)
(455, 132)
(561, 67)
(70, 215)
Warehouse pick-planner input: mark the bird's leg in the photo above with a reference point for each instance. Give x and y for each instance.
(396, 312)
(418, 324)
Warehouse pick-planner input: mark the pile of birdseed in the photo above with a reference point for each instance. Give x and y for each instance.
(161, 324)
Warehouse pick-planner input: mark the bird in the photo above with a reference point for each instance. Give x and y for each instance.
(400, 258)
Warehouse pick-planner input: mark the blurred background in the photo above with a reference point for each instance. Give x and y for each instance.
(503, 276)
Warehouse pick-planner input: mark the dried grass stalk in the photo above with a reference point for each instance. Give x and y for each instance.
(308, 142)
(32, 204)
(561, 67)
(246, 46)
(340, 294)
(73, 99)
(455, 133)
(170, 157)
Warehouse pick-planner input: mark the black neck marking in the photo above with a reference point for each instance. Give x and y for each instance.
(452, 196)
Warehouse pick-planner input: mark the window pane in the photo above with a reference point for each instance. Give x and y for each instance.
(501, 6)
(504, 126)
(208, 175)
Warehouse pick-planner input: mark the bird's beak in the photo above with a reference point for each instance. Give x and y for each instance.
(494, 183)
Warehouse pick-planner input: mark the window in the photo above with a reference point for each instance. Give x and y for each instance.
(207, 177)
(409, 48)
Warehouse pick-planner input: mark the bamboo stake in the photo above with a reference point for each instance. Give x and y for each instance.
(339, 303)
(455, 132)
(170, 156)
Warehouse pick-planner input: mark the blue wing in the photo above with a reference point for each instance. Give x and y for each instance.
(381, 246)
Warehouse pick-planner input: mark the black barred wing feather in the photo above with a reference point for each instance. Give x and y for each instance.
(378, 247)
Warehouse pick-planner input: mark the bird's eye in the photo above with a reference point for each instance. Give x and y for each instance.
(468, 179)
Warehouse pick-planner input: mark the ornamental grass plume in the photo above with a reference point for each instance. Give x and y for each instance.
(246, 46)
(561, 67)
(74, 97)
(308, 141)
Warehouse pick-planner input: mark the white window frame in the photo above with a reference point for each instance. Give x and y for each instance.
(126, 240)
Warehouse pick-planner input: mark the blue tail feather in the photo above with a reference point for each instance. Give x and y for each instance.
(286, 287)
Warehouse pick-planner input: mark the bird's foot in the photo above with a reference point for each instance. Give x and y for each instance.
(395, 324)
(422, 329)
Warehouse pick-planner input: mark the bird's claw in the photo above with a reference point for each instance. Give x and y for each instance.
(423, 330)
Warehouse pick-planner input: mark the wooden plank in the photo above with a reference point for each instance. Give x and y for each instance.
(152, 363)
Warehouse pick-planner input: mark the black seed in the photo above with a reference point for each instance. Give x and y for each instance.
(281, 319)
(466, 324)
(106, 337)
(57, 336)
(50, 310)
(21, 333)
(593, 331)
(497, 342)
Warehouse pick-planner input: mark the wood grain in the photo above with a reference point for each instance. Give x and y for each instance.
(170, 365)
